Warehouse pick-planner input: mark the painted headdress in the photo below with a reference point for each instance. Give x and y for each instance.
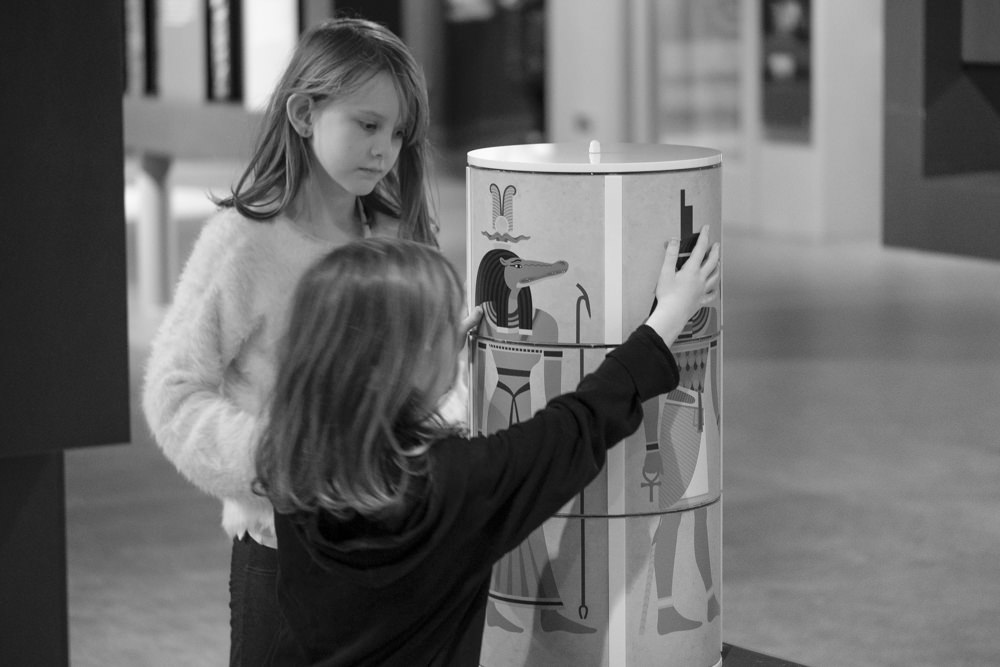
(493, 292)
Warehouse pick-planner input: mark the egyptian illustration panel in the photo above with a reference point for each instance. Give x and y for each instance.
(672, 600)
(679, 456)
(570, 630)
(674, 587)
(655, 208)
(537, 252)
(554, 225)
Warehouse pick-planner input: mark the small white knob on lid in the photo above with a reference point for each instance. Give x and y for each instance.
(595, 151)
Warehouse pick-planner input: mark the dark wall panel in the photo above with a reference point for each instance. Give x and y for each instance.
(63, 342)
(63, 320)
(961, 100)
(942, 182)
(33, 615)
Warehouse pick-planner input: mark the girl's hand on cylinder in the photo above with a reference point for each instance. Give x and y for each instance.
(469, 324)
(681, 292)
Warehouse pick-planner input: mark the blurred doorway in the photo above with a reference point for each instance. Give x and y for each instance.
(697, 56)
(700, 69)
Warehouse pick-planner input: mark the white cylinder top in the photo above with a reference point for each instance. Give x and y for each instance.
(580, 158)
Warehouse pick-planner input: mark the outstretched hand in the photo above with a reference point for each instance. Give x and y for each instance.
(681, 292)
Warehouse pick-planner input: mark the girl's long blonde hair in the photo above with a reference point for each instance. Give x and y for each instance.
(352, 415)
(332, 60)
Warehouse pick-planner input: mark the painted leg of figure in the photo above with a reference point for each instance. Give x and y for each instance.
(665, 540)
(553, 378)
(520, 409)
(500, 408)
(541, 590)
(497, 620)
(680, 443)
(503, 581)
(679, 440)
(549, 619)
(523, 577)
(703, 556)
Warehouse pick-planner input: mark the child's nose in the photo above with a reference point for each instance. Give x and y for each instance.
(382, 144)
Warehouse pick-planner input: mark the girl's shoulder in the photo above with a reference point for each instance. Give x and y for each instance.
(236, 236)
(226, 229)
(234, 248)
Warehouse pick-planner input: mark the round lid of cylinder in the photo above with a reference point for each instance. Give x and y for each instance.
(595, 157)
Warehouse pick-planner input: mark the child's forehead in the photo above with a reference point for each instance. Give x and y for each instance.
(378, 93)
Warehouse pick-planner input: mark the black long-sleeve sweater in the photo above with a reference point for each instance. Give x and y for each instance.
(414, 593)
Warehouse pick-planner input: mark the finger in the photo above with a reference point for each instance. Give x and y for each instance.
(468, 325)
(470, 322)
(713, 275)
(712, 288)
(711, 262)
(705, 237)
(669, 266)
(697, 255)
(673, 251)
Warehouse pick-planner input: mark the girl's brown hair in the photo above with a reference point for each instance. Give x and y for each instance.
(352, 414)
(332, 60)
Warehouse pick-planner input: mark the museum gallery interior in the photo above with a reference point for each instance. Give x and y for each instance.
(821, 489)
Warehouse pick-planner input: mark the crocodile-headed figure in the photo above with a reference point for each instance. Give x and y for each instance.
(513, 388)
(503, 288)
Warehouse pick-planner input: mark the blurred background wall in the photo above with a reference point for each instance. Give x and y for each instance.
(839, 120)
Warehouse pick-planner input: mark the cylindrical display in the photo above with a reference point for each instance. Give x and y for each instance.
(565, 244)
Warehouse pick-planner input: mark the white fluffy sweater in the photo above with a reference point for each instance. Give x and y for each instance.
(212, 362)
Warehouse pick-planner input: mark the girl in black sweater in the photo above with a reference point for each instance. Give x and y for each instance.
(388, 521)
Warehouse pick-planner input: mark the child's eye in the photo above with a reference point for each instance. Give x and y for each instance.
(369, 126)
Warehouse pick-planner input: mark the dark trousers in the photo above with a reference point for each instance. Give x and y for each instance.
(259, 635)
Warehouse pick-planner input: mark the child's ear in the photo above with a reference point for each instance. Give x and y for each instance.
(299, 110)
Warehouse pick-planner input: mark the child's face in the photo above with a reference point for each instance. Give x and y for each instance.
(357, 138)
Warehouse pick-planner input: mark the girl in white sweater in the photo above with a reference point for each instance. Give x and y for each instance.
(341, 155)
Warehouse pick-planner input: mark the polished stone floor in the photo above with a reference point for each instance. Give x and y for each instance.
(861, 475)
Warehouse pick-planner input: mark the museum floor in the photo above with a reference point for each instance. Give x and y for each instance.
(861, 475)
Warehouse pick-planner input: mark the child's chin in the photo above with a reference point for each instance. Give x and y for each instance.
(364, 189)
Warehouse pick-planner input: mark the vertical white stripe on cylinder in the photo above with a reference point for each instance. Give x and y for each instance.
(613, 260)
(470, 293)
(470, 277)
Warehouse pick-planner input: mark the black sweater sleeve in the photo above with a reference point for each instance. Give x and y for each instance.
(518, 477)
